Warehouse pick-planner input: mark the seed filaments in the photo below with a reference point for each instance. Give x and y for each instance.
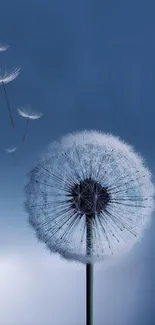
(89, 197)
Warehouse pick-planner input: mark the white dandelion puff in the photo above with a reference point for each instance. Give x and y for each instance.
(29, 114)
(89, 197)
(4, 79)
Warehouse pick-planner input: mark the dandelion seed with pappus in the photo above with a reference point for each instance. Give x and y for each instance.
(11, 150)
(88, 198)
(29, 114)
(3, 48)
(4, 79)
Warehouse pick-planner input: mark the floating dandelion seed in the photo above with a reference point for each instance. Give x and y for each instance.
(29, 115)
(90, 197)
(8, 77)
(11, 150)
(3, 47)
(4, 79)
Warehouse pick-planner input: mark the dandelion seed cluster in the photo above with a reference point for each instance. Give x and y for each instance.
(89, 175)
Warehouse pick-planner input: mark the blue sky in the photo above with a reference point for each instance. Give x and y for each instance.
(85, 65)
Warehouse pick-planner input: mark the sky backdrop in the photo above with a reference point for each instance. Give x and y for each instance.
(86, 64)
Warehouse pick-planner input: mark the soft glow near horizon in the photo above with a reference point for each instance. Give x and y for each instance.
(29, 278)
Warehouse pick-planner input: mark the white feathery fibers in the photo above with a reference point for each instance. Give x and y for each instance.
(11, 150)
(110, 162)
(28, 113)
(8, 77)
(3, 47)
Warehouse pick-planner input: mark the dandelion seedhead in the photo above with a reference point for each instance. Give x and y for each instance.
(89, 177)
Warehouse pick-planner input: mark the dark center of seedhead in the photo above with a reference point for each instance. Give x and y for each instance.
(89, 197)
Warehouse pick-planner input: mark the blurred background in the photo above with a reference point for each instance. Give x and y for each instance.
(85, 65)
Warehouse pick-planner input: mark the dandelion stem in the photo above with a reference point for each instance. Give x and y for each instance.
(89, 271)
(8, 105)
(25, 131)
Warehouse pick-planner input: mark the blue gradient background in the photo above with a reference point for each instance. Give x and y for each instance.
(85, 64)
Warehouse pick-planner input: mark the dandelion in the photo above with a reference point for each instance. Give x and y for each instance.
(88, 198)
(29, 115)
(4, 79)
